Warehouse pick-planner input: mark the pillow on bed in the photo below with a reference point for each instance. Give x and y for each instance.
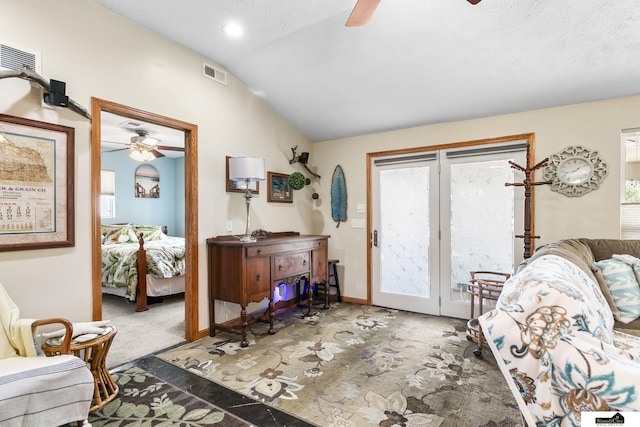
(117, 233)
(621, 282)
(149, 232)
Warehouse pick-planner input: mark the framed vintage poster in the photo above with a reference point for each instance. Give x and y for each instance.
(278, 189)
(36, 184)
(239, 186)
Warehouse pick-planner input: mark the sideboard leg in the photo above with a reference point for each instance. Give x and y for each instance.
(212, 318)
(271, 330)
(309, 297)
(243, 327)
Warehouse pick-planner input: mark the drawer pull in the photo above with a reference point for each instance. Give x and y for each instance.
(280, 267)
(259, 251)
(258, 277)
(304, 262)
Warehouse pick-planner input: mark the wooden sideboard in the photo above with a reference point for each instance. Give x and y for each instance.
(250, 272)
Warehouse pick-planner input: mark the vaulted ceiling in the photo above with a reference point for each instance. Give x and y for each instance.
(416, 62)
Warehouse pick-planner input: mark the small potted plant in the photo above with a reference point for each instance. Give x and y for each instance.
(297, 181)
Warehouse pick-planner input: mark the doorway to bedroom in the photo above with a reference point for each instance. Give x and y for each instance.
(171, 313)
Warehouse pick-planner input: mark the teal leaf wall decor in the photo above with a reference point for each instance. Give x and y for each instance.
(338, 196)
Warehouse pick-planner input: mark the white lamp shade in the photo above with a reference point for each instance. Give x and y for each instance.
(246, 169)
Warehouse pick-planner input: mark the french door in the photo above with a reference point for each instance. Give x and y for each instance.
(438, 215)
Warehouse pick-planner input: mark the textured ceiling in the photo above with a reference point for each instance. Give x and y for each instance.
(416, 62)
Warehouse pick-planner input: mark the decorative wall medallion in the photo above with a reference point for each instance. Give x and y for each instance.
(575, 171)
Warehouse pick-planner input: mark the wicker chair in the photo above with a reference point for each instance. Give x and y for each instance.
(37, 390)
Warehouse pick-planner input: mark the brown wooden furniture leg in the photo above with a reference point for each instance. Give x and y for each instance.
(309, 296)
(271, 330)
(212, 317)
(325, 285)
(141, 295)
(243, 327)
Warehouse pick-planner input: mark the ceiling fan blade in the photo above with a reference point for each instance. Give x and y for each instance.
(117, 149)
(362, 13)
(474, 1)
(156, 154)
(116, 142)
(169, 148)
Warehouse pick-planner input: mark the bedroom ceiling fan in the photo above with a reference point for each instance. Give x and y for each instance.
(363, 11)
(144, 148)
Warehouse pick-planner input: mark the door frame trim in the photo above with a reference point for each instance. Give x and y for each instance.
(191, 205)
(530, 137)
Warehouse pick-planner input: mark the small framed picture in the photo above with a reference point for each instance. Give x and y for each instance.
(239, 186)
(279, 190)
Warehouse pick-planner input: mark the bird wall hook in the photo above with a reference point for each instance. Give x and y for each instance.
(52, 97)
(303, 159)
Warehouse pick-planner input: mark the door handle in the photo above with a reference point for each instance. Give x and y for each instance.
(375, 238)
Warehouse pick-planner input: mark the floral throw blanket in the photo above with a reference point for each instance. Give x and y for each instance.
(165, 258)
(552, 335)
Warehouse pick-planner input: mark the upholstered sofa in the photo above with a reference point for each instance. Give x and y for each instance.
(562, 332)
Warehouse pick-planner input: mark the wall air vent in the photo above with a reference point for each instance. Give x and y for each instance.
(214, 73)
(16, 58)
(131, 124)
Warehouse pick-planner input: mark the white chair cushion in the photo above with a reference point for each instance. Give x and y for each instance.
(39, 391)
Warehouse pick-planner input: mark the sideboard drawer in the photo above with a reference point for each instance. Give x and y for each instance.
(319, 261)
(258, 279)
(288, 265)
(273, 249)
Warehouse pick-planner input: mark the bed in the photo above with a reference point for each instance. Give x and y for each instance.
(128, 249)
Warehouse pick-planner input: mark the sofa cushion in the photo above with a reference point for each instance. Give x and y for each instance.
(574, 250)
(631, 328)
(622, 284)
(606, 248)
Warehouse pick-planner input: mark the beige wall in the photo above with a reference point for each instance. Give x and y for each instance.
(595, 125)
(99, 54)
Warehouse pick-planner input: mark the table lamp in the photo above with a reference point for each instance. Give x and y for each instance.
(246, 170)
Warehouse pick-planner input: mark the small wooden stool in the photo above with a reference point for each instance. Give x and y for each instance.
(326, 286)
(94, 353)
(333, 273)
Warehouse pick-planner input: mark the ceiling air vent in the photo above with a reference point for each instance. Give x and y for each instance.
(15, 58)
(214, 73)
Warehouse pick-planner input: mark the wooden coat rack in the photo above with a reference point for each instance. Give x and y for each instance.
(528, 185)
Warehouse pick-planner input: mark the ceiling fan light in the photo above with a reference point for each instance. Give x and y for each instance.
(136, 155)
(148, 156)
(142, 155)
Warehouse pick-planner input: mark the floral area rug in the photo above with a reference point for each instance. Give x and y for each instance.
(146, 400)
(356, 365)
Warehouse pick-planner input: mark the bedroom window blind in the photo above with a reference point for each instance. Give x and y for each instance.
(630, 184)
(107, 194)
